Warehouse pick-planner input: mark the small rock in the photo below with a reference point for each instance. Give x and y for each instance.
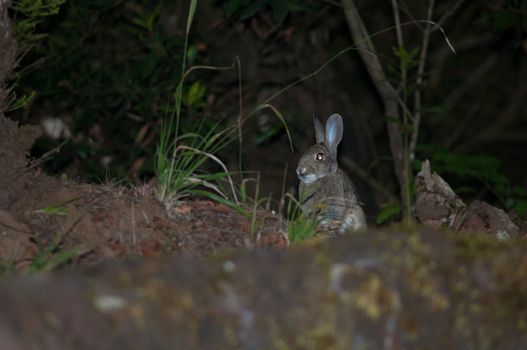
(436, 203)
(483, 217)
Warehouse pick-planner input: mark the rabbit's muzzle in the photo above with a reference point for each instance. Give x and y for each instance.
(305, 176)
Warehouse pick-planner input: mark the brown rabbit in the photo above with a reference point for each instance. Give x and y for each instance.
(324, 188)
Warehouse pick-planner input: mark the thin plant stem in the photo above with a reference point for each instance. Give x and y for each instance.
(420, 72)
(403, 67)
(239, 120)
(179, 89)
(399, 34)
(218, 161)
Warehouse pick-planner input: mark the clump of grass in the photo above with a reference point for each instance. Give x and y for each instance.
(180, 156)
(53, 256)
(7, 268)
(252, 204)
(300, 225)
(50, 256)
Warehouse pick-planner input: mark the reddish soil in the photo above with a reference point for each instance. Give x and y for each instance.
(47, 222)
(104, 222)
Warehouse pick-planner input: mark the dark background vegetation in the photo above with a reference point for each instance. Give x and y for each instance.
(102, 72)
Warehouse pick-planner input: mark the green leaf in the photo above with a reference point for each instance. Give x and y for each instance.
(503, 20)
(280, 10)
(407, 58)
(21, 102)
(281, 118)
(269, 133)
(406, 129)
(149, 65)
(294, 7)
(192, 53)
(222, 200)
(232, 6)
(251, 10)
(301, 228)
(53, 210)
(56, 209)
(195, 93)
(191, 13)
(387, 212)
(521, 208)
(519, 191)
(178, 95)
(413, 52)
(465, 190)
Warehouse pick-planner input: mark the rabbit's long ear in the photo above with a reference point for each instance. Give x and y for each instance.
(334, 128)
(319, 130)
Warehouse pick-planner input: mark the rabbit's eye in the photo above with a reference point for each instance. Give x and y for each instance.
(320, 156)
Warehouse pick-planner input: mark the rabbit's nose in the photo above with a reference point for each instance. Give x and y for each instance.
(300, 171)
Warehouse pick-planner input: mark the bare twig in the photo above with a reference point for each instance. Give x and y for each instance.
(404, 7)
(400, 41)
(449, 13)
(397, 20)
(439, 61)
(282, 198)
(44, 158)
(420, 72)
(239, 120)
(465, 44)
(202, 67)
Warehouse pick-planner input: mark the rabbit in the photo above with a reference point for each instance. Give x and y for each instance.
(324, 189)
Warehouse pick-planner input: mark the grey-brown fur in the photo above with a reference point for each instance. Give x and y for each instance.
(324, 188)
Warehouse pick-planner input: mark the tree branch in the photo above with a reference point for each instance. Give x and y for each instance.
(448, 13)
(420, 72)
(383, 86)
(400, 41)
